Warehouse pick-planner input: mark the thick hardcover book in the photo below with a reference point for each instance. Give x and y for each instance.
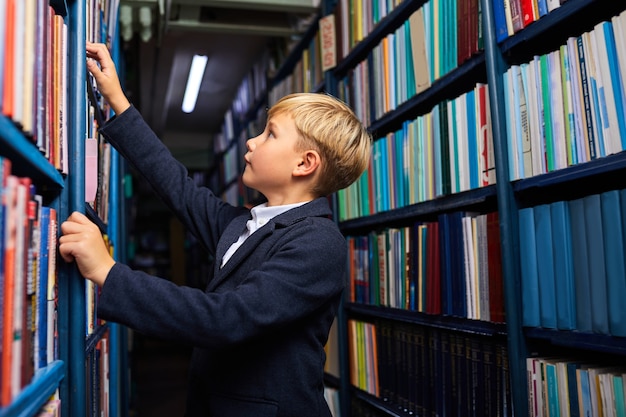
(563, 266)
(499, 20)
(581, 265)
(545, 266)
(529, 270)
(613, 234)
(597, 269)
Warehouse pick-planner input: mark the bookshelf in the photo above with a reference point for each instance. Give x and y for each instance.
(508, 344)
(51, 154)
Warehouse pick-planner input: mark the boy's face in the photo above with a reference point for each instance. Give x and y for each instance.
(272, 158)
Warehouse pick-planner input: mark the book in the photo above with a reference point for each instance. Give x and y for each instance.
(529, 269)
(545, 266)
(613, 235)
(581, 265)
(563, 266)
(499, 17)
(597, 269)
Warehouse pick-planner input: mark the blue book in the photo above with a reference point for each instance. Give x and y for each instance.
(612, 228)
(472, 140)
(457, 260)
(42, 288)
(499, 20)
(582, 378)
(528, 261)
(563, 266)
(543, 7)
(581, 265)
(597, 270)
(572, 389)
(545, 266)
(616, 80)
(552, 382)
(618, 392)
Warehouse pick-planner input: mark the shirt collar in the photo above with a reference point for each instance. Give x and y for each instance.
(262, 214)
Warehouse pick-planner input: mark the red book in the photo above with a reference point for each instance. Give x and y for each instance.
(529, 12)
(494, 256)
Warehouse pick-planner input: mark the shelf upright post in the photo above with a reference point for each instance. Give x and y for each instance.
(76, 285)
(507, 208)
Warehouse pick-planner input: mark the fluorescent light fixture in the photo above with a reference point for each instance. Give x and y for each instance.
(198, 64)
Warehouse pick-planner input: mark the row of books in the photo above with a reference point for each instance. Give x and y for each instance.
(429, 371)
(568, 106)
(570, 387)
(450, 266)
(406, 62)
(306, 76)
(28, 282)
(357, 18)
(33, 74)
(573, 272)
(511, 16)
(445, 151)
(98, 386)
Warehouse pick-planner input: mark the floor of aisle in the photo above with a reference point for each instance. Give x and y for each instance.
(158, 378)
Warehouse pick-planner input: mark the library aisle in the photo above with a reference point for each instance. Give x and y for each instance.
(158, 378)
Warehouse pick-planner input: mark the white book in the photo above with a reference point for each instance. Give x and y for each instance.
(580, 132)
(530, 82)
(553, 4)
(462, 138)
(592, 81)
(612, 135)
(507, 83)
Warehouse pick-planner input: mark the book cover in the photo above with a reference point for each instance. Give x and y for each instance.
(563, 266)
(545, 266)
(597, 269)
(581, 265)
(613, 234)
(529, 270)
(617, 83)
(494, 256)
(585, 86)
(9, 245)
(499, 20)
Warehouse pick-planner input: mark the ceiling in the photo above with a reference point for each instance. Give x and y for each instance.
(232, 33)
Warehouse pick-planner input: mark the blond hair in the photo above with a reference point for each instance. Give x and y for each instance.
(330, 127)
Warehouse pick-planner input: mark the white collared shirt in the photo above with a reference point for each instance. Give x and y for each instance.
(261, 214)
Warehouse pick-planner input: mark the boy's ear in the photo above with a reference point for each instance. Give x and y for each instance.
(308, 164)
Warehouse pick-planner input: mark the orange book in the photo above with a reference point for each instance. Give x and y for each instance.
(9, 55)
(10, 227)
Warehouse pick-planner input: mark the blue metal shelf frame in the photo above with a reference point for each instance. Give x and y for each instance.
(36, 394)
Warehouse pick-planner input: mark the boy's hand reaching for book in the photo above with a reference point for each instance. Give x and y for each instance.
(106, 76)
(82, 241)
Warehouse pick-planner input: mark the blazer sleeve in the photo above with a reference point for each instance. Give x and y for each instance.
(304, 275)
(201, 212)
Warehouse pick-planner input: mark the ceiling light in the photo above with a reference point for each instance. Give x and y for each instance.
(198, 64)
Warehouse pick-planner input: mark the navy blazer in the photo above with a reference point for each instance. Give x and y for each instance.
(260, 327)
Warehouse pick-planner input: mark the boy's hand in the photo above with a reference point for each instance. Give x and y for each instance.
(106, 76)
(82, 242)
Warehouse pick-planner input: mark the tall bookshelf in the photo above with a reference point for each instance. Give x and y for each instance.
(431, 353)
(76, 370)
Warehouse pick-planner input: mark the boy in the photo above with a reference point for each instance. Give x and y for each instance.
(260, 327)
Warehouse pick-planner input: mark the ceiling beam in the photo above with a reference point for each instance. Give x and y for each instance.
(242, 29)
(294, 6)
